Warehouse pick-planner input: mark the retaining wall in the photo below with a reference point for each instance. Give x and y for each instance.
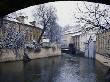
(9, 55)
(102, 59)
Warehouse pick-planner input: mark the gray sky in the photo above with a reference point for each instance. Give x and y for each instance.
(65, 11)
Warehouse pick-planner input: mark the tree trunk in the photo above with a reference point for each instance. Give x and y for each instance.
(40, 37)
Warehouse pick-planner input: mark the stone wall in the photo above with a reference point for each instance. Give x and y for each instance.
(45, 52)
(103, 43)
(104, 60)
(9, 55)
(30, 32)
(103, 48)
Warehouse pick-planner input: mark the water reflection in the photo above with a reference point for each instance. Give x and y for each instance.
(54, 69)
(87, 70)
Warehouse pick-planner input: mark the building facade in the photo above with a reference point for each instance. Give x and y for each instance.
(103, 43)
(30, 32)
(76, 40)
(66, 40)
(84, 39)
(67, 32)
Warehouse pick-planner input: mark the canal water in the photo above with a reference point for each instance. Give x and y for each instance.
(53, 69)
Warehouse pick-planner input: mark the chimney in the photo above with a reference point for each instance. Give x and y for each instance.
(33, 23)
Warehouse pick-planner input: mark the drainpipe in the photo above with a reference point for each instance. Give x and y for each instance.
(1, 25)
(88, 48)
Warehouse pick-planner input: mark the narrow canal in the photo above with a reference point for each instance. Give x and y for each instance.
(53, 69)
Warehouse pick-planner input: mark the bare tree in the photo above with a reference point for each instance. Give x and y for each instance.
(45, 17)
(54, 33)
(95, 16)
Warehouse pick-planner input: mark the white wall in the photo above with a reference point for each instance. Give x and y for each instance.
(66, 39)
(90, 50)
(84, 37)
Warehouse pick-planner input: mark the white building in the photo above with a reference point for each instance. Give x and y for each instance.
(77, 37)
(66, 37)
(66, 40)
(84, 38)
(76, 40)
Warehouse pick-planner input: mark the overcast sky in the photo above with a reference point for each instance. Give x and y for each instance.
(65, 11)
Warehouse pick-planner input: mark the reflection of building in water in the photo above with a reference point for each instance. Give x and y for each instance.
(87, 70)
(41, 70)
(55, 69)
(12, 72)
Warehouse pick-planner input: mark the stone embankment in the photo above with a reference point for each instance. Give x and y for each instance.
(9, 55)
(104, 60)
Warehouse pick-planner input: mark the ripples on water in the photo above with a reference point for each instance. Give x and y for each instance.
(53, 69)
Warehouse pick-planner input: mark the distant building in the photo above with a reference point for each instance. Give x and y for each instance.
(77, 37)
(66, 36)
(76, 40)
(80, 39)
(66, 40)
(30, 32)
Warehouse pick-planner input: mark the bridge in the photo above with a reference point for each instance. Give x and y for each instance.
(8, 6)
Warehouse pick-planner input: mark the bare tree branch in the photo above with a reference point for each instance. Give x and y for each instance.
(45, 16)
(93, 16)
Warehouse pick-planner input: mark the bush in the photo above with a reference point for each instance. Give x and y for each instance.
(12, 40)
(34, 46)
(46, 45)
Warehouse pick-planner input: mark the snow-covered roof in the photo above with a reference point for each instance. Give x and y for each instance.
(72, 29)
(25, 21)
(77, 33)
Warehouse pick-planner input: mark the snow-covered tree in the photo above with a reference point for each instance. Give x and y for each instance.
(13, 40)
(45, 16)
(93, 16)
(54, 33)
